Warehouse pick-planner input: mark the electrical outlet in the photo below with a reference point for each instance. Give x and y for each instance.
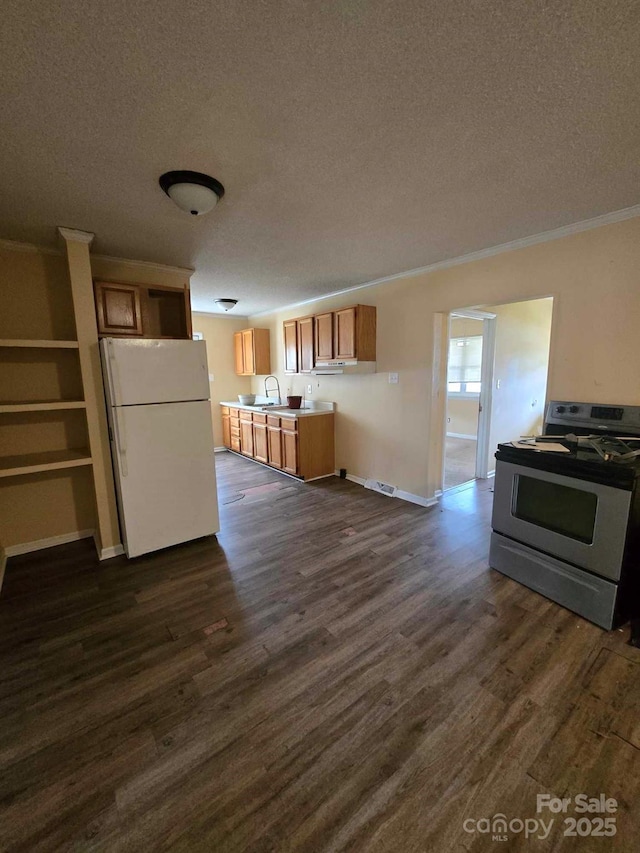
(497, 384)
(309, 389)
(393, 379)
(211, 377)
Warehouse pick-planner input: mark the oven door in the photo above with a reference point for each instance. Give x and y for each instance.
(574, 520)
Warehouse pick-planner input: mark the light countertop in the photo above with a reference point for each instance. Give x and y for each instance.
(311, 409)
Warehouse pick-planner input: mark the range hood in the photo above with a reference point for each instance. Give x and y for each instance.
(336, 368)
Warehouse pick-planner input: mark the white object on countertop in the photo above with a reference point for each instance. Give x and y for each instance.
(161, 440)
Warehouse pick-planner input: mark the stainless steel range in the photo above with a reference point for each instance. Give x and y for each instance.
(566, 510)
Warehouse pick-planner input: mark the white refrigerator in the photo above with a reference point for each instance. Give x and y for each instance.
(161, 441)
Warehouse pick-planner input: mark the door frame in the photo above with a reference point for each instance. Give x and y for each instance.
(486, 393)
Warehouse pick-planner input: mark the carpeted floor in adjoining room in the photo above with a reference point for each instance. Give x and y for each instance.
(460, 461)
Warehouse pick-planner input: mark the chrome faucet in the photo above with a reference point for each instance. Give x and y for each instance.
(267, 389)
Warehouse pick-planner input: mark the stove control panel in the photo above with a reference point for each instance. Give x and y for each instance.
(594, 416)
(562, 409)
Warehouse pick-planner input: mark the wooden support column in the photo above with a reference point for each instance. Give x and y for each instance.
(107, 533)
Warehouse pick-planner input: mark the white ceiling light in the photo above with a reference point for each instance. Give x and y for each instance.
(227, 304)
(193, 192)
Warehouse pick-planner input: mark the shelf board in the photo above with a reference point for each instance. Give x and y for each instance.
(18, 342)
(41, 405)
(34, 463)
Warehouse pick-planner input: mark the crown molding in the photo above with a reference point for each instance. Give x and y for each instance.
(72, 235)
(150, 265)
(32, 248)
(29, 248)
(221, 316)
(520, 243)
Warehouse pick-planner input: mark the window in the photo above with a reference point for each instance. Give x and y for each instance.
(465, 366)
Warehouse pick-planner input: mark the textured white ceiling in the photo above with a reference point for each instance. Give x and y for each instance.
(355, 139)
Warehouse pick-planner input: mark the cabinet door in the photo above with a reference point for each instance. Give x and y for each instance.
(274, 439)
(118, 309)
(290, 346)
(260, 451)
(238, 356)
(306, 348)
(324, 337)
(289, 452)
(226, 431)
(345, 333)
(246, 438)
(247, 352)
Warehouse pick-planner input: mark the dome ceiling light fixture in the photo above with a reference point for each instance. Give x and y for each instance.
(227, 304)
(193, 192)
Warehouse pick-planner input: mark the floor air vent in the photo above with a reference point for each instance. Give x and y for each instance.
(383, 488)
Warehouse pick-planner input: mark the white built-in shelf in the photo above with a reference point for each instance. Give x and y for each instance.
(41, 406)
(52, 460)
(8, 342)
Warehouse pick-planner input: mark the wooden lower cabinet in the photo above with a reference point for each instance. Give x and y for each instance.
(289, 451)
(226, 431)
(246, 438)
(274, 442)
(260, 449)
(303, 447)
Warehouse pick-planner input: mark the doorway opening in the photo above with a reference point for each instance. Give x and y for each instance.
(496, 379)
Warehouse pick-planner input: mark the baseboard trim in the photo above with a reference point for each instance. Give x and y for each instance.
(220, 449)
(399, 493)
(108, 553)
(50, 542)
(462, 435)
(415, 499)
(351, 477)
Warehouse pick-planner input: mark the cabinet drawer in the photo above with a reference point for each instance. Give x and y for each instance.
(235, 422)
(246, 416)
(259, 419)
(235, 430)
(235, 413)
(273, 421)
(289, 423)
(235, 443)
(225, 410)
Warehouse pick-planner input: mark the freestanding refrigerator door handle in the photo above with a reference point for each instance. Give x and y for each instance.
(113, 375)
(121, 444)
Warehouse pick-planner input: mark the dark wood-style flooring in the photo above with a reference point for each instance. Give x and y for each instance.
(337, 671)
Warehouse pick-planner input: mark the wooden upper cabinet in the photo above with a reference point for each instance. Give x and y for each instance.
(252, 352)
(306, 345)
(118, 307)
(354, 334)
(238, 353)
(290, 330)
(147, 311)
(348, 334)
(345, 333)
(248, 358)
(324, 336)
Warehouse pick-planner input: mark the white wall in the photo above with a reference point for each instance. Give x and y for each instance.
(523, 334)
(392, 432)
